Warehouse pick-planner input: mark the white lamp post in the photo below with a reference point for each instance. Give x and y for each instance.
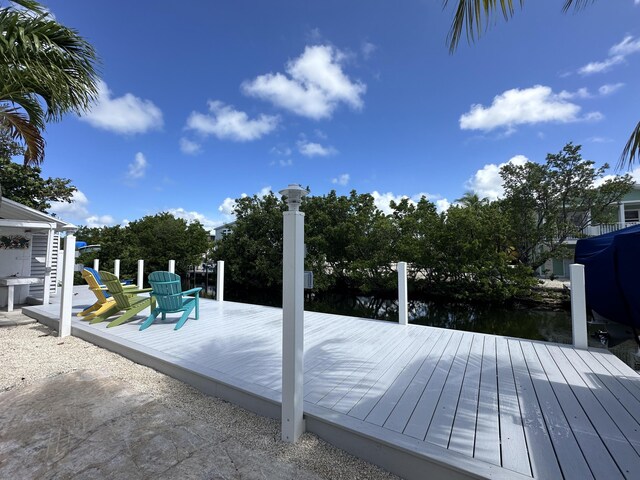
(292, 315)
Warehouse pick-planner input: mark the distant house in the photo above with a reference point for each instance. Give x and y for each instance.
(28, 253)
(628, 215)
(223, 230)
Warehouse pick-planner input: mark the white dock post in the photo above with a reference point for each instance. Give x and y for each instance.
(293, 316)
(403, 299)
(66, 303)
(140, 274)
(96, 264)
(172, 266)
(116, 267)
(578, 306)
(220, 281)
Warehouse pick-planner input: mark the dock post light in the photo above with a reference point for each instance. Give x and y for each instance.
(293, 314)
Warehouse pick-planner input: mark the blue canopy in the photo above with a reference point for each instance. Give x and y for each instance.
(612, 274)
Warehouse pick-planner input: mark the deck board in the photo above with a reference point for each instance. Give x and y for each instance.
(456, 404)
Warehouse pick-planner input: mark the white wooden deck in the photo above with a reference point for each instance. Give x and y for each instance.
(419, 401)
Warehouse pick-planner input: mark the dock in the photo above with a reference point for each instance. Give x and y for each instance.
(421, 402)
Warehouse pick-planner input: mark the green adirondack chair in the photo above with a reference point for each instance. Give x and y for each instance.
(105, 304)
(167, 290)
(126, 301)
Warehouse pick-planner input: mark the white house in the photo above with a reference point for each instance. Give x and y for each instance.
(628, 215)
(28, 253)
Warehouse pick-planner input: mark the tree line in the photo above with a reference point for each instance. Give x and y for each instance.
(476, 250)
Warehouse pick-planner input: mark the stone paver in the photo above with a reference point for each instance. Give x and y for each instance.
(89, 425)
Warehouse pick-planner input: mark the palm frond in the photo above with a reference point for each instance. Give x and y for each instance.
(576, 4)
(631, 151)
(472, 15)
(49, 59)
(19, 127)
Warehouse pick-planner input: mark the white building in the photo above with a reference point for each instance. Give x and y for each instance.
(28, 253)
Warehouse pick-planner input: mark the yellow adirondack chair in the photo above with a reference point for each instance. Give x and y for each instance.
(104, 302)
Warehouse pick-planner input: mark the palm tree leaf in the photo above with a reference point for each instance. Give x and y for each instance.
(631, 151)
(19, 127)
(576, 4)
(471, 15)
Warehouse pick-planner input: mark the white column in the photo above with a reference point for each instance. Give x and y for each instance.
(64, 327)
(140, 274)
(96, 264)
(578, 306)
(621, 214)
(46, 284)
(292, 326)
(172, 266)
(220, 281)
(116, 267)
(403, 300)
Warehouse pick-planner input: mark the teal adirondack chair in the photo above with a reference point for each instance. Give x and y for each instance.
(167, 290)
(126, 300)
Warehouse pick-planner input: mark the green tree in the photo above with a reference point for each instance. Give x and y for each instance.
(253, 250)
(47, 70)
(350, 242)
(472, 16)
(163, 237)
(547, 203)
(155, 238)
(24, 183)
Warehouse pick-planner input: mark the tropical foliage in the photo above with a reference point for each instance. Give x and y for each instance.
(25, 184)
(474, 16)
(47, 70)
(155, 238)
(477, 250)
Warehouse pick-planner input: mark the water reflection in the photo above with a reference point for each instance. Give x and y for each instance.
(523, 323)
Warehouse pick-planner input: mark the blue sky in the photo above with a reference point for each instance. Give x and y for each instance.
(202, 102)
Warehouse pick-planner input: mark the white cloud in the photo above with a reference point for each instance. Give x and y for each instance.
(487, 181)
(226, 123)
(228, 204)
(599, 139)
(442, 205)
(610, 88)
(314, 84)
(580, 93)
(191, 216)
(78, 212)
(96, 221)
(599, 67)
(281, 150)
(341, 180)
(635, 174)
(285, 162)
(311, 149)
(626, 47)
(127, 114)
(75, 210)
(516, 107)
(617, 55)
(138, 167)
(189, 146)
(382, 200)
(368, 49)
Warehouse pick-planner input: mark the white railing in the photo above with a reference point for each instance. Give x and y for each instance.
(595, 230)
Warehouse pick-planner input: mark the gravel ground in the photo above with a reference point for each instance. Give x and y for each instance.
(32, 352)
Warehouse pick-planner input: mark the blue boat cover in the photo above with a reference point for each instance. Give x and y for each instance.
(612, 281)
